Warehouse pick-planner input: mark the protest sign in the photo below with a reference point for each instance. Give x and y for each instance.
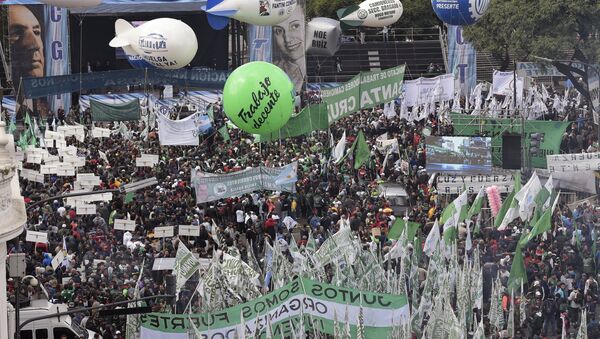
(163, 232)
(33, 236)
(320, 304)
(124, 225)
(578, 162)
(189, 230)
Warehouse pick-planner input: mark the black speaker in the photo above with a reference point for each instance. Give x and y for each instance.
(511, 151)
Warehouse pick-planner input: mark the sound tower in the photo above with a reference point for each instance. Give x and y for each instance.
(511, 152)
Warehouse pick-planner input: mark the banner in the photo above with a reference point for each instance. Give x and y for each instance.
(534, 70)
(342, 101)
(320, 306)
(455, 183)
(465, 125)
(288, 46)
(594, 88)
(118, 112)
(35, 87)
(503, 82)
(259, 43)
(184, 131)
(365, 90)
(426, 90)
(578, 162)
(462, 61)
(39, 46)
(211, 187)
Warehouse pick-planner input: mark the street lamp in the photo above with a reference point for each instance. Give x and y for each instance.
(591, 66)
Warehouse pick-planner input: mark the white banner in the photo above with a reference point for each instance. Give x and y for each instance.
(578, 162)
(454, 183)
(426, 90)
(146, 160)
(503, 82)
(178, 132)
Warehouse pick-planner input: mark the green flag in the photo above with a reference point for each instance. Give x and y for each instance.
(400, 225)
(12, 127)
(211, 113)
(224, 133)
(362, 151)
(543, 224)
(128, 197)
(517, 271)
(510, 208)
(477, 204)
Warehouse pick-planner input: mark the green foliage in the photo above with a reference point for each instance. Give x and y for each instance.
(546, 28)
(326, 8)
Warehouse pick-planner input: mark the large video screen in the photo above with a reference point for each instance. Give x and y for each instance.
(459, 154)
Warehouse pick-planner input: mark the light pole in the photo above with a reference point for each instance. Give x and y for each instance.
(591, 66)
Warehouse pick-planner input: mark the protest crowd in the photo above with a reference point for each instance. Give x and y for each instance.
(104, 265)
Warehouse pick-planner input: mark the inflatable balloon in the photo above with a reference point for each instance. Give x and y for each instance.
(371, 13)
(258, 97)
(135, 60)
(460, 12)
(256, 12)
(164, 43)
(323, 36)
(72, 3)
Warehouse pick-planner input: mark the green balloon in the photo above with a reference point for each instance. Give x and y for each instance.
(258, 97)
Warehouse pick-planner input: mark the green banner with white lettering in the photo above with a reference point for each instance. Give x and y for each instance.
(365, 90)
(301, 303)
(552, 132)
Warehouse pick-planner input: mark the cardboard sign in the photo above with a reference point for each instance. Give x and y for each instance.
(164, 232)
(85, 209)
(48, 169)
(124, 225)
(33, 236)
(60, 144)
(163, 264)
(100, 132)
(189, 230)
(58, 259)
(88, 179)
(146, 160)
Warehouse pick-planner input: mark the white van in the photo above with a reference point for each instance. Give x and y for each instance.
(51, 328)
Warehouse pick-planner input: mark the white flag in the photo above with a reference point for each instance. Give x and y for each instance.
(340, 148)
(432, 239)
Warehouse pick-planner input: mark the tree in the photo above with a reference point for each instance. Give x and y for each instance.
(547, 28)
(417, 13)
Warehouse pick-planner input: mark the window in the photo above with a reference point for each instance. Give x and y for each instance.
(63, 333)
(41, 334)
(28, 334)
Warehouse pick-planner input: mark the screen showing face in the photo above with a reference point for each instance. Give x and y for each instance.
(459, 154)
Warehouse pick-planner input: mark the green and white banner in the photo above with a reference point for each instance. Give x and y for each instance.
(303, 302)
(211, 187)
(365, 90)
(552, 131)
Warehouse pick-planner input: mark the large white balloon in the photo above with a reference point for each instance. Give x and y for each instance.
(372, 13)
(256, 12)
(72, 3)
(164, 43)
(323, 36)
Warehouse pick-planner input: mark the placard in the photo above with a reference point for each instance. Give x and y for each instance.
(454, 183)
(34, 158)
(100, 132)
(164, 232)
(51, 159)
(33, 236)
(189, 230)
(124, 225)
(50, 135)
(85, 209)
(60, 144)
(57, 260)
(88, 179)
(48, 169)
(577, 162)
(163, 264)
